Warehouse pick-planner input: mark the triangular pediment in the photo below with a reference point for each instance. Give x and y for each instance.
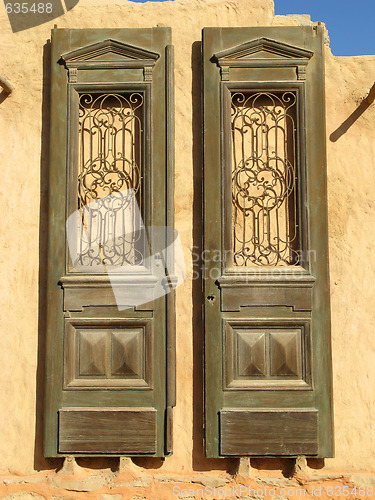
(109, 51)
(262, 49)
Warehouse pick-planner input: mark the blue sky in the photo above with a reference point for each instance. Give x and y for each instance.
(350, 23)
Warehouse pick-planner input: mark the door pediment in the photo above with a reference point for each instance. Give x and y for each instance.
(109, 53)
(263, 52)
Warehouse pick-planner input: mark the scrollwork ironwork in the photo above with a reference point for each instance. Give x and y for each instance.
(264, 178)
(110, 163)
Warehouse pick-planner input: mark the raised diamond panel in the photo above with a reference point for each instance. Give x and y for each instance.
(267, 354)
(92, 352)
(251, 353)
(285, 354)
(108, 353)
(126, 347)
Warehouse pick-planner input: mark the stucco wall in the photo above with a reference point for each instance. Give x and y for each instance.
(24, 142)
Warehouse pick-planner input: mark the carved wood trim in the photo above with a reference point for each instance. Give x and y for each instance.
(262, 357)
(136, 353)
(131, 56)
(248, 55)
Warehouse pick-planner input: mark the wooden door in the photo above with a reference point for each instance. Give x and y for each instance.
(267, 323)
(110, 326)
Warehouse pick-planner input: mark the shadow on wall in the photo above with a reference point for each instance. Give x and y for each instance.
(6, 89)
(344, 127)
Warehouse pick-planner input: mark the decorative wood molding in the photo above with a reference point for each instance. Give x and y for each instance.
(102, 353)
(301, 72)
(224, 72)
(264, 289)
(263, 52)
(91, 290)
(103, 281)
(73, 73)
(147, 74)
(109, 54)
(267, 354)
(264, 277)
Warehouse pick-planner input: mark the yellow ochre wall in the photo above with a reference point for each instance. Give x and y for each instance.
(24, 127)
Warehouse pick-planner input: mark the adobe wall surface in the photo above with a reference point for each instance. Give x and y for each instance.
(351, 187)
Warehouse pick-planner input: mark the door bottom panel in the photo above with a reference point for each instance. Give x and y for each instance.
(107, 430)
(269, 431)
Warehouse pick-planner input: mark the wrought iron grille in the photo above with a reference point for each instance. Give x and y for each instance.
(265, 228)
(110, 172)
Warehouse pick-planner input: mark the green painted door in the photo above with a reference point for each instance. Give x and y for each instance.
(109, 373)
(267, 319)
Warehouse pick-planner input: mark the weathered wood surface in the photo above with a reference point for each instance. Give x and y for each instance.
(105, 367)
(107, 430)
(236, 293)
(269, 432)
